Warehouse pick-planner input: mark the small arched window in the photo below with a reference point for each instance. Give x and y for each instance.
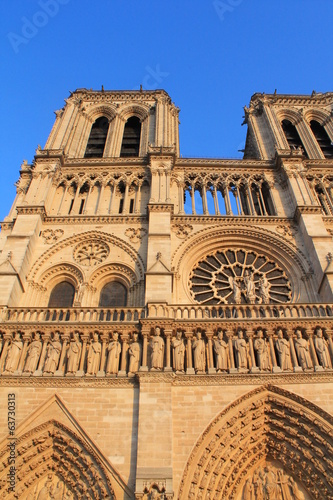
(62, 295)
(97, 138)
(292, 136)
(131, 138)
(113, 294)
(322, 138)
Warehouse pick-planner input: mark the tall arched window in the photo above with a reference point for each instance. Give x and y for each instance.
(292, 136)
(113, 294)
(131, 139)
(62, 295)
(322, 138)
(97, 138)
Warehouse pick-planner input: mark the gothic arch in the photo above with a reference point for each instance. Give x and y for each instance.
(320, 115)
(53, 453)
(141, 111)
(40, 265)
(95, 112)
(259, 240)
(267, 424)
(289, 114)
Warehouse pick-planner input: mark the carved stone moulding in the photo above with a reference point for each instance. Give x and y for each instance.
(269, 440)
(91, 253)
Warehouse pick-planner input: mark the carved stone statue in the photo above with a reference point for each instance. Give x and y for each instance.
(221, 352)
(283, 350)
(79, 292)
(261, 349)
(250, 292)
(134, 352)
(248, 490)
(322, 349)
(34, 350)
(303, 353)
(14, 354)
(199, 354)
(178, 352)
(236, 289)
(157, 350)
(94, 355)
(271, 486)
(53, 354)
(264, 287)
(298, 495)
(241, 351)
(114, 348)
(73, 354)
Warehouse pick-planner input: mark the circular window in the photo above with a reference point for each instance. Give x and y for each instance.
(91, 253)
(236, 276)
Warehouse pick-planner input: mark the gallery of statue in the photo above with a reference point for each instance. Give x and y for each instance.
(166, 322)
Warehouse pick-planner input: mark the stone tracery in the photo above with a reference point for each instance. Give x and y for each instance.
(239, 276)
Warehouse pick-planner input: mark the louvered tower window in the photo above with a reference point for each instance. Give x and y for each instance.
(97, 138)
(322, 138)
(131, 139)
(292, 136)
(62, 295)
(113, 294)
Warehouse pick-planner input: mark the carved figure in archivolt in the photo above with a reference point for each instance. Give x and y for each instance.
(322, 349)
(73, 354)
(94, 355)
(178, 347)
(199, 354)
(261, 348)
(157, 350)
(303, 352)
(53, 354)
(134, 352)
(264, 287)
(14, 354)
(221, 352)
(241, 351)
(114, 348)
(283, 351)
(34, 350)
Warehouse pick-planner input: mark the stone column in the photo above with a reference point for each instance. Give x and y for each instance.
(45, 339)
(210, 358)
(144, 365)
(250, 335)
(61, 369)
(124, 347)
(105, 340)
(232, 368)
(7, 337)
(314, 357)
(296, 366)
(275, 368)
(168, 334)
(189, 364)
(26, 338)
(80, 371)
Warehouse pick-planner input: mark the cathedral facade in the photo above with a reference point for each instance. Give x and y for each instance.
(166, 323)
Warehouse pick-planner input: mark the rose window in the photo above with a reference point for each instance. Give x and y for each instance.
(239, 277)
(91, 253)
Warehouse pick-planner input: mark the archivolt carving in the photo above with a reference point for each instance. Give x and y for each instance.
(63, 270)
(267, 425)
(82, 238)
(55, 458)
(141, 111)
(104, 273)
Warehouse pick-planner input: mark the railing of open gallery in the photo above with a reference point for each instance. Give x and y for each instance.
(240, 311)
(183, 312)
(72, 315)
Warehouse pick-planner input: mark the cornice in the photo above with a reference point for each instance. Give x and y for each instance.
(7, 226)
(97, 219)
(224, 163)
(32, 210)
(308, 210)
(119, 95)
(160, 207)
(298, 100)
(64, 381)
(108, 161)
(230, 219)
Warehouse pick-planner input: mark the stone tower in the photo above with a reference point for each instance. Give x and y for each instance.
(166, 322)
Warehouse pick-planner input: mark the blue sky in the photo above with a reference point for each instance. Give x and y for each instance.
(210, 56)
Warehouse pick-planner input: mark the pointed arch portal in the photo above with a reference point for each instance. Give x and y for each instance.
(271, 432)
